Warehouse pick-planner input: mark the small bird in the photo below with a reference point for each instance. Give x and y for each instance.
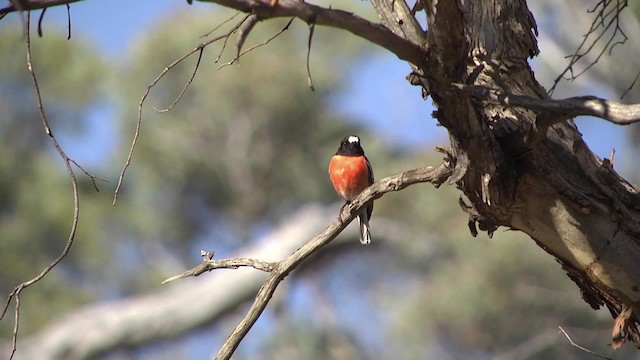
(350, 173)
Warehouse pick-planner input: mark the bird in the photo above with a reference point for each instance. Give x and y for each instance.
(350, 173)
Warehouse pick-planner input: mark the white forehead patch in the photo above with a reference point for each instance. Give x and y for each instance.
(353, 139)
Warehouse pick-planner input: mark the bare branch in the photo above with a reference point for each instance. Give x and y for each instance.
(243, 33)
(210, 264)
(436, 176)
(15, 294)
(312, 27)
(582, 347)
(186, 86)
(605, 18)
(32, 5)
(237, 58)
(136, 134)
(375, 33)
(556, 111)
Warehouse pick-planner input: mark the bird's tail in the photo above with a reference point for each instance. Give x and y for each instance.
(365, 233)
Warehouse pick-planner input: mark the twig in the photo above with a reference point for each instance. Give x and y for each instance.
(186, 86)
(436, 176)
(15, 294)
(603, 19)
(23, 5)
(633, 83)
(90, 175)
(582, 347)
(68, 21)
(234, 263)
(40, 21)
(237, 58)
(243, 33)
(136, 134)
(312, 27)
(221, 24)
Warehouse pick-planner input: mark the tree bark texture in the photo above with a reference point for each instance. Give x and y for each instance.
(549, 184)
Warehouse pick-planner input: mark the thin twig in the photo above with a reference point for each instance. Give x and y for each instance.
(633, 83)
(40, 22)
(184, 89)
(90, 175)
(312, 27)
(221, 24)
(68, 21)
(605, 18)
(15, 294)
(257, 45)
(146, 93)
(582, 347)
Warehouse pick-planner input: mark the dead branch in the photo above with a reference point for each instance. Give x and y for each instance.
(553, 111)
(15, 294)
(282, 268)
(375, 33)
(22, 5)
(136, 134)
(582, 347)
(243, 33)
(210, 264)
(312, 27)
(604, 20)
(240, 54)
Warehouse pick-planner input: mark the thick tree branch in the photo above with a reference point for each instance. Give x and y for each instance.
(312, 14)
(614, 112)
(551, 111)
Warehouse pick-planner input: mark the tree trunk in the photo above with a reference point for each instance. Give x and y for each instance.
(546, 183)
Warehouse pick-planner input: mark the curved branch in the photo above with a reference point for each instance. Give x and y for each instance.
(375, 33)
(553, 111)
(436, 176)
(21, 5)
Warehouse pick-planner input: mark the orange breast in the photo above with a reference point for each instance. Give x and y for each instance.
(349, 175)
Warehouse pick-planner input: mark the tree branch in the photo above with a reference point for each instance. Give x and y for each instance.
(436, 176)
(556, 111)
(312, 14)
(21, 5)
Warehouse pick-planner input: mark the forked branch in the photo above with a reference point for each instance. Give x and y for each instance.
(279, 270)
(312, 14)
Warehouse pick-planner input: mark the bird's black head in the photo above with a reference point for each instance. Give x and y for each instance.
(350, 146)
